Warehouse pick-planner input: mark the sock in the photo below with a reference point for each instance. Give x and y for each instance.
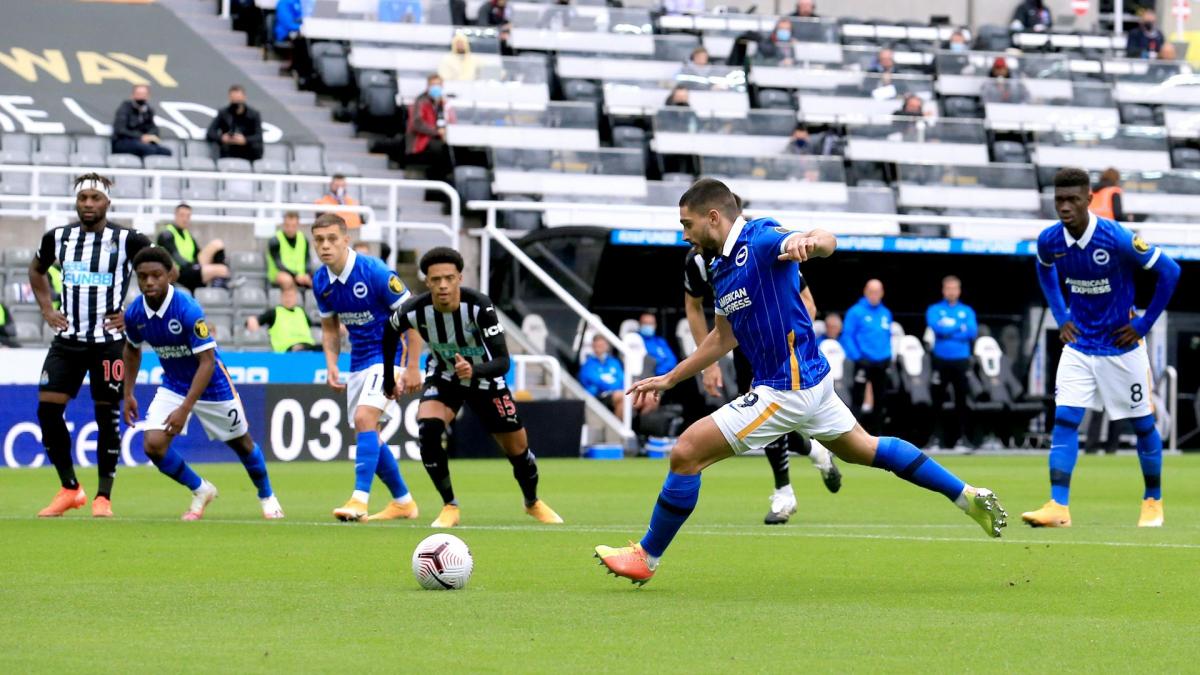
(360, 496)
(365, 461)
(108, 447)
(389, 472)
(1149, 447)
(675, 503)
(799, 443)
(525, 471)
(1064, 451)
(433, 456)
(906, 461)
(172, 465)
(57, 441)
(777, 456)
(256, 467)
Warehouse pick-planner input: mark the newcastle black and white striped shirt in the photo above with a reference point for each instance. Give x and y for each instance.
(96, 272)
(473, 331)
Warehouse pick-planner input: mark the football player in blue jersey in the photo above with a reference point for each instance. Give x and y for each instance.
(195, 382)
(360, 293)
(1104, 364)
(756, 286)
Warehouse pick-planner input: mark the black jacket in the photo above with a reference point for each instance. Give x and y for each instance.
(248, 123)
(133, 122)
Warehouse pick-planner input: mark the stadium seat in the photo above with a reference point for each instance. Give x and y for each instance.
(344, 168)
(129, 187)
(88, 160)
(213, 299)
(627, 326)
(19, 157)
(51, 158)
(15, 182)
(520, 220)
(1137, 114)
(534, 328)
(176, 147)
(472, 183)
(331, 65)
(993, 38)
(1009, 152)
(583, 91)
(124, 161)
(199, 150)
(628, 136)
(914, 367)
(92, 145)
(18, 258)
(961, 106)
(162, 162)
(28, 332)
(1185, 158)
(775, 99)
(246, 262)
(248, 296)
(17, 142)
(308, 160)
(55, 184)
(305, 192)
(56, 143)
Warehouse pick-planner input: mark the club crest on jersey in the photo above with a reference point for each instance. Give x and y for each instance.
(748, 400)
(394, 285)
(1100, 256)
(175, 327)
(742, 254)
(201, 329)
(1140, 244)
(360, 290)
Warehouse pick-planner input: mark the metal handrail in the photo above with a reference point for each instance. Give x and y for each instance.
(521, 376)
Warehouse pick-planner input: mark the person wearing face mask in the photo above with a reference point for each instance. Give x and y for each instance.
(603, 376)
(1146, 40)
(778, 46)
(425, 139)
(237, 128)
(958, 42)
(460, 63)
(800, 143)
(1032, 15)
(134, 130)
(337, 196)
(656, 345)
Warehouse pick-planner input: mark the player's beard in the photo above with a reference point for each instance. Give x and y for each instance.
(96, 218)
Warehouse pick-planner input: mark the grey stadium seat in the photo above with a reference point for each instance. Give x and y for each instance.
(15, 157)
(124, 161)
(129, 187)
(250, 296)
(246, 262)
(55, 143)
(344, 168)
(88, 159)
(17, 142)
(171, 188)
(235, 189)
(51, 158)
(584, 91)
(28, 332)
(98, 145)
(162, 162)
(16, 183)
(175, 146)
(266, 165)
(1185, 158)
(213, 299)
(221, 326)
(55, 184)
(472, 183)
(628, 136)
(305, 192)
(278, 152)
(1010, 152)
(1137, 114)
(199, 149)
(774, 99)
(18, 258)
(308, 154)
(198, 164)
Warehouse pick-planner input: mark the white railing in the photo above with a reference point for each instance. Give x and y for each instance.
(548, 363)
(154, 207)
(1171, 377)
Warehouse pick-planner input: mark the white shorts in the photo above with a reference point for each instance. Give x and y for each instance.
(754, 419)
(365, 387)
(1119, 385)
(222, 420)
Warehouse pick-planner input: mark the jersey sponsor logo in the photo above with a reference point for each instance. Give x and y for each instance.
(734, 300)
(1140, 244)
(356, 318)
(1089, 286)
(742, 255)
(175, 327)
(76, 273)
(447, 350)
(395, 285)
(493, 330)
(360, 290)
(173, 351)
(201, 329)
(1100, 256)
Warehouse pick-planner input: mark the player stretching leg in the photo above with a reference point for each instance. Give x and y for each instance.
(468, 361)
(783, 500)
(96, 258)
(194, 381)
(1104, 364)
(756, 282)
(360, 292)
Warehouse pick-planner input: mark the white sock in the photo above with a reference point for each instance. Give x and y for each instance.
(963, 500)
(651, 561)
(405, 499)
(820, 456)
(786, 490)
(204, 485)
(361, 496)
(268, 500)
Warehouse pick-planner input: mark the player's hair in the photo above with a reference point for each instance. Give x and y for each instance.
(329, 220)
(1072, 177)
(432, 77)
(439, 255)
(154, 254)
(236, 87)
(337, 176)
(183, 205)
(291, 214)
(710, 193)
(1110, 177)
(89, 177)
(950, 277)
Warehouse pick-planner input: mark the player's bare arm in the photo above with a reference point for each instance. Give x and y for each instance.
(693, 307)
(39, 281)
(331, 344)
(718, 343)
(412, 377)
(206, 366)
(132, 357)
(812, 244)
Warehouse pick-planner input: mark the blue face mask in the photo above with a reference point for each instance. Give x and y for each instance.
(436, 91)
(958, 46)
(646, 330)
(783, 35)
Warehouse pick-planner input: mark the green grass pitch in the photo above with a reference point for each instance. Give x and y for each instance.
(881, 577)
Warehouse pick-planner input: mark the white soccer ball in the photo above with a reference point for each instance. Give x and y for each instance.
(442, 562)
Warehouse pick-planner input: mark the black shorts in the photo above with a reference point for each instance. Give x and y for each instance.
(190, 277)
(495, 408)
(68, 361)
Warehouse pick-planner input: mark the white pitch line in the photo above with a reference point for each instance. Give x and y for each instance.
(704, 531)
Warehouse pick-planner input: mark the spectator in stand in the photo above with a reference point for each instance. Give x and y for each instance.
(833, 327)
(678, 97)
(806, 9)
(289, 261)
(676, 7)
(289, 15)
(885, 62)
(958, 42)
(954, 329)
(237, 128)
(1106, 199)
(1145, 41)
(134, 131)
(8, 331)
(1032, 15)
(657, 347)
(426, 135)
(495, 13)
(800, 143)
(699, 57)
(460, 63)
(913, 106)
(867, 339)
(336, 196)
(198, 266)
(1165, 66)
(1002, 88)
(603, 376)
(287, 324)
(778, 46)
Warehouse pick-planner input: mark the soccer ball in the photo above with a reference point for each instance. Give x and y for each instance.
(442, 562)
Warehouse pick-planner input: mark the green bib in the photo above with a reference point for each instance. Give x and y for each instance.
(290, 328)
(56, 284)
(184, 243)
(295, 258)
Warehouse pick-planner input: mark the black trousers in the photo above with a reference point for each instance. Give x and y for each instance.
(950, 373)
(875, 372)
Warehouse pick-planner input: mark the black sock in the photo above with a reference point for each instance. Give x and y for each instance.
(777, 455)
(525, 471)
(57, 441)
(108, 447)
(799, 443)
(433, 456)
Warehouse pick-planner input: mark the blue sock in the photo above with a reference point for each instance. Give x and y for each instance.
(389, 472)
(366, 460)
(1064, 450)
(906, 461)
(256, 467)
(1149, 447)
(173, 466)
(675, 503)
